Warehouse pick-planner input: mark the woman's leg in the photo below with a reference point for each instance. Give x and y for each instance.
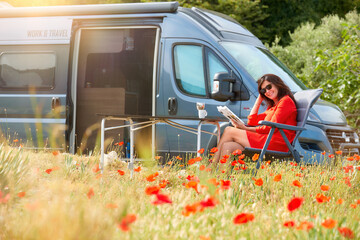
(231, 134)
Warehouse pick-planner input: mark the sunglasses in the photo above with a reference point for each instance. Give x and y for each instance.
(268, 87)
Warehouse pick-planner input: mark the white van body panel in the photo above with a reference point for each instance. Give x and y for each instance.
(39, 30)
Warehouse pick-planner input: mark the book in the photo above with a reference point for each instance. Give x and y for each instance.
(224, 110)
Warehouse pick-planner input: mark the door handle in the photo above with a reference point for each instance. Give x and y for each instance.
(55, 103)
(172, 106)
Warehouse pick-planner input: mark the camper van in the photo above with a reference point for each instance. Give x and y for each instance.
(62, 66)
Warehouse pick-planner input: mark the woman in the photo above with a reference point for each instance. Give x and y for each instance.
(281, 109)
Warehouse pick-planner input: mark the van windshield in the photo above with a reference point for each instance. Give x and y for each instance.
(257, 62)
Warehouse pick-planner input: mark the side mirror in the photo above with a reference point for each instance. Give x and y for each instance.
(222, 87)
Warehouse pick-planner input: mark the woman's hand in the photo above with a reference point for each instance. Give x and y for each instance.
(259, 99)
(237, 125)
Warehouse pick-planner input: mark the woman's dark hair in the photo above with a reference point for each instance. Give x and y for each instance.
(283, 89)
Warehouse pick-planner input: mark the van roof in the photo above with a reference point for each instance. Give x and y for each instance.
(91, 9)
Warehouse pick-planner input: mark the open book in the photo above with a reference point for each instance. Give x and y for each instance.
(224, 110)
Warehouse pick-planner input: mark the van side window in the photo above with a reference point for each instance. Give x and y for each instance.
(189, 69)
(215, 66)
(190, 63)
(28, 69)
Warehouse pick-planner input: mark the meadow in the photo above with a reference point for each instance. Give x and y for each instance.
(53, 195)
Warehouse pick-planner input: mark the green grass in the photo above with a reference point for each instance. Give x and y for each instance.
(57, 205)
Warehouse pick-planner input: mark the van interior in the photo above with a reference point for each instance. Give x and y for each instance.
(115, 72)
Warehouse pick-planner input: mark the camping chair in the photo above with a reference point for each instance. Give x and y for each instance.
(304, 100)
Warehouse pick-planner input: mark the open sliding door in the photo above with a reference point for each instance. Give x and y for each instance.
(114, 71)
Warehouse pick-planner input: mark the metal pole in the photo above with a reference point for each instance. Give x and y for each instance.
(102, 145)
(132, 160)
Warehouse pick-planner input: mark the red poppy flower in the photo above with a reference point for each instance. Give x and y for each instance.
(214, 150)
(243, 218)
(295, 203)
(96, 168)
(202, 168)
(296, 183)
(21, 194)
(289, 224)
(209, 202)
(191, 161)
(305, 225)
(163, 183)
(192, 178)
(348, 168)
(111, 206)
(55, 153)
(340, 201)
(242, 156)
(233, 163)
(258, 182)
(325, 188)
(331, 155)
(353, 205)
(236, 152)
(323, 153)
(121, 172)
(225, 184)
(119, 143)
(126, 221)
(178, 158)
(192, 184)
(329, 223)
(338, 152)
(4, 199)
(350, 158)
(255, 157)
(223, 160)
(346, 232)
(191, 209)
(138, 169)
(161, 199)
(91, 193)
(16, 140)
(213, 181)
(320, 198)
(241, 161)
(201, 151)
(150, 190)
(277, 178)
(332, 178)
(152, 177)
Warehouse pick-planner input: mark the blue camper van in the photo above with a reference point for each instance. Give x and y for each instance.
(60, 66)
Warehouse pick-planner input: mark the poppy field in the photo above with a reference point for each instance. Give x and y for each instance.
(53, 195)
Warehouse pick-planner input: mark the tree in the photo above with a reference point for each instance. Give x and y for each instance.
(327, 56)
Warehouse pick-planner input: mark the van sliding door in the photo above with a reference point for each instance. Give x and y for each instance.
(114, 76)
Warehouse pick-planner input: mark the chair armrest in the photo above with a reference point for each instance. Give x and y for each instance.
(282, 126)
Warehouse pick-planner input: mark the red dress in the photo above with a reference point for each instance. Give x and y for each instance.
(284, 112)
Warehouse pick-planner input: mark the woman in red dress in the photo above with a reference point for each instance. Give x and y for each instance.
(281, 109)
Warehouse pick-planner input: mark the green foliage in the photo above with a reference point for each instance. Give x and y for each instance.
(327, 56)
(13, 167)
(340, 70)
(286, 15)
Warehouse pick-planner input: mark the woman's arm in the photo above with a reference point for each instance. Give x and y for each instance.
(257, 104)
